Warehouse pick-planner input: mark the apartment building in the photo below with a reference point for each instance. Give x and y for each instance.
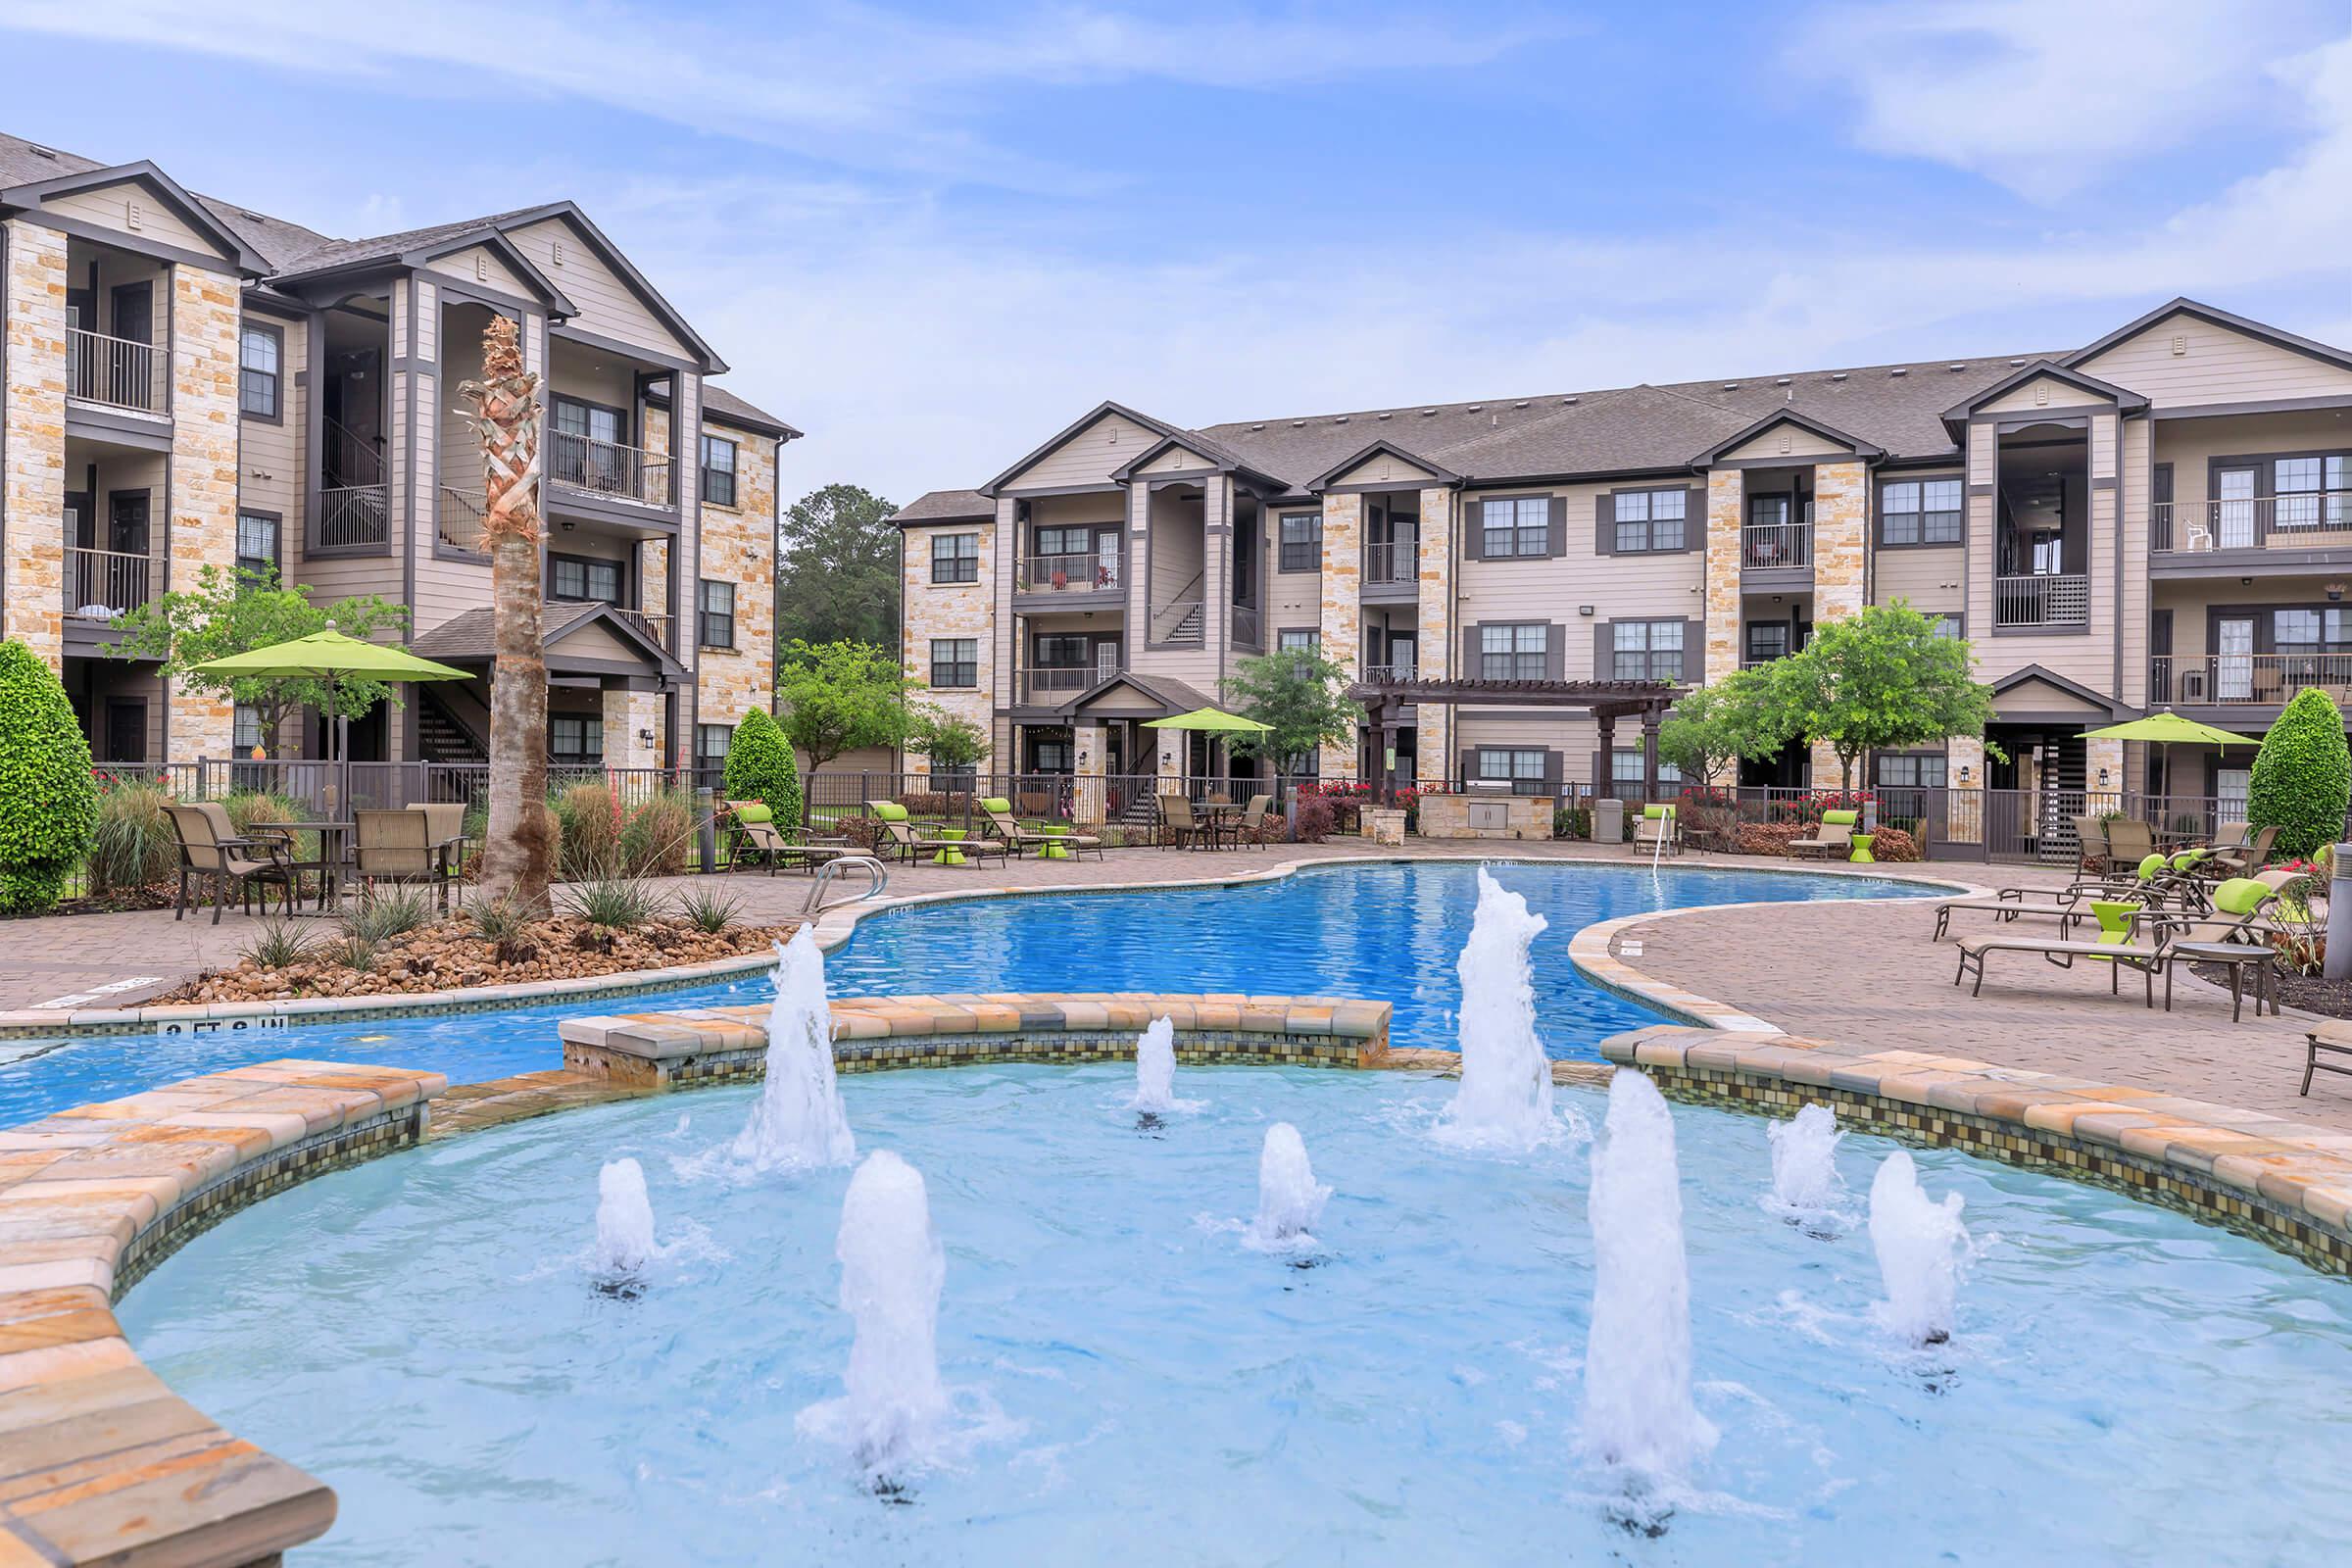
(191, 383)
(2162, 517)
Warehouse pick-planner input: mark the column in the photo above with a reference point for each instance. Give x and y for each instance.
(33, 404)
(203, 476)
(1088, 802)
(632, 728)
(1342, 620)
(1608, 753)
(1840, 536)
(1433, 639)
(1726, 499)
(1964, 789)
(1649, 754)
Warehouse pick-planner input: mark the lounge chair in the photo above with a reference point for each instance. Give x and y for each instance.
(2117, 923)
(397, 847)
(900, 835)
(2153, 885)
(1658, 827)
(2245, 857)
(750, 830)
(999, 811)
(211, 848)
(2240, 905)
(2241, 909)
(1832, 839)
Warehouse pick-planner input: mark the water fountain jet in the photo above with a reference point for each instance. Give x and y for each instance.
(892, 1269)
(1288, 1199)
(798, 1122)
(1806, 1188)
(624, 1223)
(1506, 1094)
(1156, 1073)
(1922, 1247)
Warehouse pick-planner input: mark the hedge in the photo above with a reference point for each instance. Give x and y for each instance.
(760, 767)
(48, 798)
(2302, 780)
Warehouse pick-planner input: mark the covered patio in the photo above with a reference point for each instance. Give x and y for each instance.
(1608, 701)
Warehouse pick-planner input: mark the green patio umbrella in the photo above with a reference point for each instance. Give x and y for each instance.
(2168, 729)
(327, 656)
(1214, 719)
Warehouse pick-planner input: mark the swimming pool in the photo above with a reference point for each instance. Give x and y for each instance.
(1389, 931)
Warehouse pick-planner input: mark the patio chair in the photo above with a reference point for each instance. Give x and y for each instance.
(999, 811)
(899, 833)
(1180, 826)
(747, 829)
(1658, 827)
(2091, 835)
(2246, 857)
(398, 847)
(445, 832)
(1258, 823)
(2130, 841)
(2118, 921)
(211, 847)
(1832, 839)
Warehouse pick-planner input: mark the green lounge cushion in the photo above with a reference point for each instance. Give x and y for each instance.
(2151, 865)
(998, 804)
(2240, 896)
(1841, 818)
(2188, 858)
(1653, 812)
(755, 813)
(887, 810)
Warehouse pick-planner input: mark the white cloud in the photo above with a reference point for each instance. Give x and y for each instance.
(2046, 96)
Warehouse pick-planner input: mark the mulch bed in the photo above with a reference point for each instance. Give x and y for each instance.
(2331, 998)
(448, 954)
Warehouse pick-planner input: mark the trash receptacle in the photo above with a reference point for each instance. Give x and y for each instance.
(1609, 820)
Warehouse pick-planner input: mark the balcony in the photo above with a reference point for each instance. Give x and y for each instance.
(1392, 673)
(1393, 571)
(1087, 572)
(2041, 601)
(352, 517)
(651, 622)
(2244, 680)
(1052, 685)
(103, 585)
(113, 372)
(1776, 546)
(2305, 520)
(609, 471)
(458, 519)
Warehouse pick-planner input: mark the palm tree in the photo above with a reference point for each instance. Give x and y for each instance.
(519, 853)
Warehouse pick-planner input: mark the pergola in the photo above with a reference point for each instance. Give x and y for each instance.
(1608, 701)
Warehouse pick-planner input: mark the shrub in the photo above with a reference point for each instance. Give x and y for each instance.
(709, 911)
(505, 927)
(1315, 818)
(248, 807)
(387, 912)
(48, 800)
(356, 952)
(281, 946)
(1571, 822)
(614, 903)
(132, 846)
(655, 834)
(588, 823)
(760, 767)
(1893, 844)
(2302, 780)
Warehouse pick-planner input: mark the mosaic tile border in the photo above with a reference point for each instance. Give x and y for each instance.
(109, 1466)
(2286, 1184)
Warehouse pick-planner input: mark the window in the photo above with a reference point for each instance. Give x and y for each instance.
(575, 739)
(718, 471)
(1767, 640)
(711, 743)
(2311, 632)
(1647, 650)
(257, 543)
(1301, 541)
(954, 558)
(259, 353)
(1516, 526)
(1911, 772)
(1309, 638)
(717, 603)
(1947, 624)
(1649, 520)
(1920, 511)
(246, 729)
(2311, 491)
(1625, 774)
(580, 577)
(1522, 767)
(1055, 755)
(1513, 651)
(954, 662)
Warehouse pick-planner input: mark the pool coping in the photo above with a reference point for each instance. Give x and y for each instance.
(834, 926)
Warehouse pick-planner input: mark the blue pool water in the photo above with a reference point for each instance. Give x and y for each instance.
(1134, 1385)
(1388, 931)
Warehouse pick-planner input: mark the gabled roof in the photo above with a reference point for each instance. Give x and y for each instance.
(190, 206)
(1216, 456)
(467, 637)
(506, 251)
(945, 506)
(1788, 415)
(1955, 417)
(1384, 447)
(2050, 677)
(725, 407)
(2185, 306)
(1078, 426)
(1172, 695)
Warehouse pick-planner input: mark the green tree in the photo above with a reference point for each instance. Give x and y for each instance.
(1301, 696)
(761, 766)
(837, 697)
(837, 567)
(1877, 680)
(2302, 779)
(950, 743)
(236, 611)
(1715, 726)
(48, 798)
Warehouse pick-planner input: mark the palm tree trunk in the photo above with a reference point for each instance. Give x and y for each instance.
(518, 855)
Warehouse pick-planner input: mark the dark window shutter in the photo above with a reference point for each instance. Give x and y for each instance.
(1555, 651)
(2160, 631)
(1604, 524)
(1694, 651)
(1470, 641)
(1603, 646)
(1551, 772)
(1694, 520)
(1474, 529)
(1469, 759)
(2163, 483)
(1556, 534)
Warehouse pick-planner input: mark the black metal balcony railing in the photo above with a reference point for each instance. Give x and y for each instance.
(1764, 545)
(2052, 601)
(459, 519)
(1050, 685)
(352, 516)
(609, 468)
(1392, 673)
(1249, 626)
(2299, 520)
(1088, 571)
(1393, 560)
(114, 371)
(103, 584)
(2255, 680)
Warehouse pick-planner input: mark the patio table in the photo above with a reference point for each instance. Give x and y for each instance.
(2240, 956)
(328, 865)
(1056, 850)
(950, 855)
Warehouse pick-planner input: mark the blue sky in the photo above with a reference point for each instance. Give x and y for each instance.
(929, 237)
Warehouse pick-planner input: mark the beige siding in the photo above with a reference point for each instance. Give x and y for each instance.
(1177, 459)
(1089, 457)
(2191, 445)
(596, 640)
(1660, 587)
(108, 207)
(2216, 364)
(1786, 440)
(273, 464)
(2043, 392)
(1929, 579)
(2133, 479)
(1386, 469)
(479, 263)
(609, 305)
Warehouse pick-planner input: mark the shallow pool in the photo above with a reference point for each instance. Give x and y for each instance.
(1383, 931)
(1135, 1383)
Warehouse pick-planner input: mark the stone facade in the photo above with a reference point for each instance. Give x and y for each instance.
(1432, 727)
(1841, 539)
(936, 611)
(1341, 619)
(630, 719)
(205, 320)
(35, 499)
(1726, 501)
(739, 546)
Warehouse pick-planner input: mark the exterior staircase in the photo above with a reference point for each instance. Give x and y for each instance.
(442, 735)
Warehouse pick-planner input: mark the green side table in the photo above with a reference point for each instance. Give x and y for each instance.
(1056, 851)
(1862, 855)
(951, 856)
